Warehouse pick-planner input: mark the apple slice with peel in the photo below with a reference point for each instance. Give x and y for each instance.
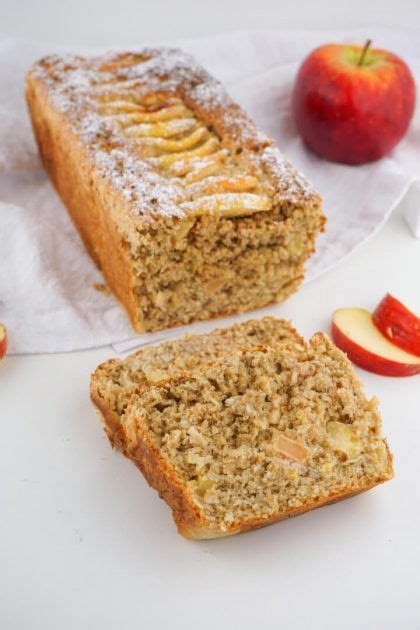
(354, 332)
(3, 340)
(398, 324)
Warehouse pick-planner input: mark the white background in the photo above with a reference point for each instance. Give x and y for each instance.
(84, 543)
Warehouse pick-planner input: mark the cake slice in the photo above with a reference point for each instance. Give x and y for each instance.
(188, 209)
(261, 435)
(114, 381)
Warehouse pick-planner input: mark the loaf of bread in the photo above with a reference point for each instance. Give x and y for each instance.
(188, 209)
(235, 435)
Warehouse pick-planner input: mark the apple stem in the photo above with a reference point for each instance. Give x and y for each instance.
(364, 51)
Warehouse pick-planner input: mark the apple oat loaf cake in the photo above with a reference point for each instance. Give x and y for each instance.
(258, 436)
(114, 381)
(187, 208)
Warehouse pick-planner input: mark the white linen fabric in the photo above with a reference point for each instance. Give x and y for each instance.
(47, 298)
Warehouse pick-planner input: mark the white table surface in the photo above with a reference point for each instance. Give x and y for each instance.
(84, 542)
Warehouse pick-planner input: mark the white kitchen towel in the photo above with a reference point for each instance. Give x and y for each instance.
(47, 295)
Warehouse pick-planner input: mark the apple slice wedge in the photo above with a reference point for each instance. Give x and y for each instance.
(3, 340)
(354, 332)
(398, 324)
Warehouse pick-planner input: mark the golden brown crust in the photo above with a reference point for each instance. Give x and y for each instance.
(69, 166)
(190, 522)
(161, 477)
(111, 420)
(197, 531)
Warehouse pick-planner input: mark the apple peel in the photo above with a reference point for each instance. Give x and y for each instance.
(398, 324)
(3, 340)
(354, 332)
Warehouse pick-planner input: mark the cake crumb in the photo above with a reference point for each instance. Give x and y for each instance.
(102, 288)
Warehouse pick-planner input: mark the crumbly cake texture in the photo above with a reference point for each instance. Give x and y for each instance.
(188, 209)
(259, 436)
(114, 381)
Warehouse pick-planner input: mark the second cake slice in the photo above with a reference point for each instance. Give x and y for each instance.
(256, 437)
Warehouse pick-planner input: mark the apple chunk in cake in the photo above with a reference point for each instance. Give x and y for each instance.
(188, 209)
(260, 435)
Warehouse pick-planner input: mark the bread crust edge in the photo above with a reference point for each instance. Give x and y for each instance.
(186, 513)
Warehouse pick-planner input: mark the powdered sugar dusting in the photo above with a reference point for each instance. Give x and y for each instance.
(170, 67)
(288, 182)
(79, 86)
(139, 183)
(212, 96)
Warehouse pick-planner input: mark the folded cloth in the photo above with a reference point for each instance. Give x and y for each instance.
(48, 298)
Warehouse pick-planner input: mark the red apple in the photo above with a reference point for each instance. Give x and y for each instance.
(353, 104)
(3, 340)
(398, 324)
(354, 332)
